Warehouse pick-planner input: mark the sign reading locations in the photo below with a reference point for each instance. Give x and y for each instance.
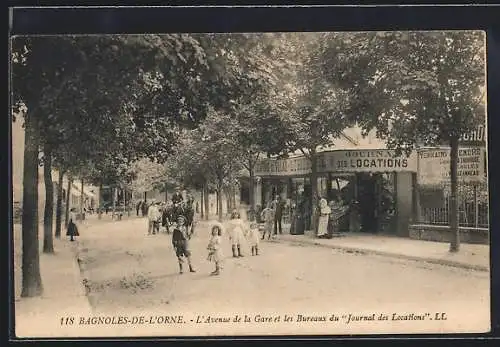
(344, 161)
(434, 165)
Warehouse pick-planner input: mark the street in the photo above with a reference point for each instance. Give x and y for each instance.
(385, 210)
(126, 270)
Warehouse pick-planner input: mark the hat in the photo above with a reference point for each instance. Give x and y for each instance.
(181, 217)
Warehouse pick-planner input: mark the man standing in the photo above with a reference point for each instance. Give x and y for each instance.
(154, 218)
(138, 207)
(278, 206)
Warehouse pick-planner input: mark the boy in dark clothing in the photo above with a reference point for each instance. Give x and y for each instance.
(180, 242)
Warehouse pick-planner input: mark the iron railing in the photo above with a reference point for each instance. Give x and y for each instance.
(472, 206)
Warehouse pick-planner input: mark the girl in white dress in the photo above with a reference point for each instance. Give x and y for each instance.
(253, 237)
(214, 248)
(236, 229)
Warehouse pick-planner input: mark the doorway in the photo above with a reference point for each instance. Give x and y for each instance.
(376, 197)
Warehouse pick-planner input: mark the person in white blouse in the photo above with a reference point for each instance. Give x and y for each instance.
(154, 218)
(324, 214)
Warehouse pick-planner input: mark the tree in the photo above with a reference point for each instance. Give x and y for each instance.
(313, 108)
(86, 84)
(424, 88)
(31, 282)
(257, 130)
(259, 62)
(220, 151)
(189, 167)
(59, 199)
(148, 175)
(48, 214)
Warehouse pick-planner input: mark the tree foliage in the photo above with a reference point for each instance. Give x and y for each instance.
(415, 88)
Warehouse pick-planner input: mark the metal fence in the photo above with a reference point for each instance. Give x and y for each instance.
(472, 206)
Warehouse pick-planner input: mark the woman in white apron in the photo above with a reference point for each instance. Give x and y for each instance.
(324, 213)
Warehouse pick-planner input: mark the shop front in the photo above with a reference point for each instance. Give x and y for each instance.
(375, 185)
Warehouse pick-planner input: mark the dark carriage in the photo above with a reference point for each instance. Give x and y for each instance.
(171, 214)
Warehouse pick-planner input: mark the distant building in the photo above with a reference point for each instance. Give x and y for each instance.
(91, 194)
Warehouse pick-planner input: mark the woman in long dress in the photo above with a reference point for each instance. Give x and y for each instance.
(72, 228)
(324, 214)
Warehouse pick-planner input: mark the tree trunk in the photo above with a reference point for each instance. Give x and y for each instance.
(68, 201)
(202, 198)
(99, 208)
(59, 204)
(31, 279)
(251, 187)
(233, 195)
(129, 208)
(166, 193)
(48, 213)
(145, 197)
(217, 193)
(82, 200)
(206, 196)
(228, 199)
(453, 213)
(219, 199)
(314, 191)
(114, 192)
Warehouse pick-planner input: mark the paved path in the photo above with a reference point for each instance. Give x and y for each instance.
(470, 256)
(63, 292)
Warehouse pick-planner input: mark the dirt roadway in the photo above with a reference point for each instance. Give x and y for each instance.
(126, 270)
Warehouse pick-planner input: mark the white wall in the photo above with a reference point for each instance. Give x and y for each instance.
(17, 172)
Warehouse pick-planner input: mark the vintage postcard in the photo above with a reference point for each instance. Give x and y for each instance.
(250, 184)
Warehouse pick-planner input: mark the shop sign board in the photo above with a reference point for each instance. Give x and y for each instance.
(342, 161)
(434, 165)
(476, 137)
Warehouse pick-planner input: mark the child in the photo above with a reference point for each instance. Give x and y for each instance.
(72, 228)
(214, 248)
(267, 215)
(236, 229)
(180, 243)
(253, 237)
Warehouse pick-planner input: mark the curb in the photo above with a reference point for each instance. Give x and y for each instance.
(445, 262)
(79, 273)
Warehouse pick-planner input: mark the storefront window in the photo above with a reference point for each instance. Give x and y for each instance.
(341, 187)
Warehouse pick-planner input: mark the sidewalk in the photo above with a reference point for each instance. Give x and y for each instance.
(470, 256)
(63, 290)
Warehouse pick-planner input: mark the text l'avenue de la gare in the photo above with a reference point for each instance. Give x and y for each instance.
(347, 318)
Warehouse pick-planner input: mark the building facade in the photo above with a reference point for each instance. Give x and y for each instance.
(387, 192)
(90, 193)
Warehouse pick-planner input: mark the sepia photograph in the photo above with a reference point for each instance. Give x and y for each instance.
(249, 184)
